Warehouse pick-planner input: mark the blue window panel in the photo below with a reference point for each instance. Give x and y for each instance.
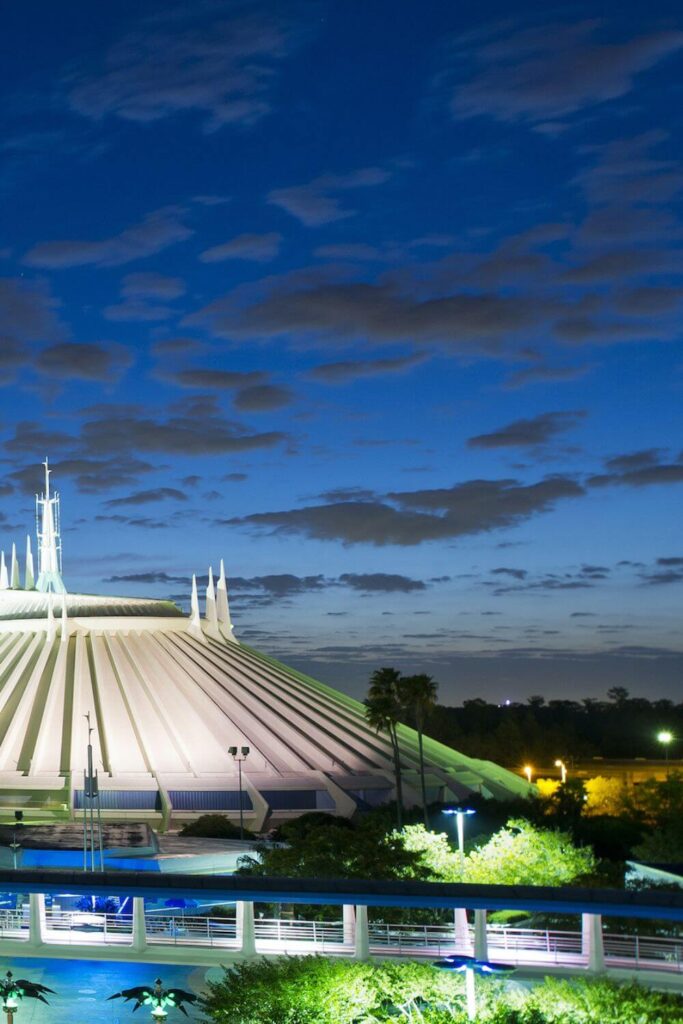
(298, 799)
(206, 800)
(123, 800)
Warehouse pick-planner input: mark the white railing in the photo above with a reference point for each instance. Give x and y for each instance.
(176, 930)
(273, 935)
(79, 926)
(13, 924)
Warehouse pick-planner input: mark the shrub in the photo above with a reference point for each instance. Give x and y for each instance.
(214, 826)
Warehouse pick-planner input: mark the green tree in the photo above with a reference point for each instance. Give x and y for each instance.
(418, 696)
(383, 710)
(523, 854)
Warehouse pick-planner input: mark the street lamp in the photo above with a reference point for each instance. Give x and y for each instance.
(469, 966)
(240, 754)
(460, 813)
(665, 738)
(528, 771)
(157, 997)
(563, 768)
(12, 992)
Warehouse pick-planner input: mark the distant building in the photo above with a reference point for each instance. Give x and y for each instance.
(167, 695)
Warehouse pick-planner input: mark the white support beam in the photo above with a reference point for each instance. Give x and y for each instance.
(36, 919)
(481, 944)
(349, 924)
(139, 943)
(592, 945)
(246, 934)
(362, 951)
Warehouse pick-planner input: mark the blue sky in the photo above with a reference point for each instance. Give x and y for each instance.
(378, 302)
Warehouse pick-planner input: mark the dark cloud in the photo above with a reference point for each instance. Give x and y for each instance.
(149, 579)
(28, 313)
(639, 469)
(263, 398)
(347, 494)
(412, 517)
(278, 585)
(528, 433)
(317, 202)
(148, 497)
(176, 435)
(257, 248)
(209, 377)
(649, 300)
(149, 285)
(517, 574)
(356, 369)
(176, 347)
(92, 476)
(635, 460)
(666, 576)
(223, 71)
(381, 583)
(85, 361)
(234, 477)
(544, 375)
(538, 75)
(671, 560)
(157, 231)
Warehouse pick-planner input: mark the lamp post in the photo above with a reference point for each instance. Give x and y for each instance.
(563, 769)
(528, 771)
(460, 813)
(469, 966)
(240, 754)
(665, 738)
(12, 992)
(157, 997)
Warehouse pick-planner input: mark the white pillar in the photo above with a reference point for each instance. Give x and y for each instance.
(246, 935)
(36, 918)
(592, 945)
(481, 945)
(139, 942)
(349, 924)
(362, 933)
(463, 943)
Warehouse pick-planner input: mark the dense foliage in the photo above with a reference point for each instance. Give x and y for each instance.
(538, 732)
(519, 854)
(315, 990)
(214, 826)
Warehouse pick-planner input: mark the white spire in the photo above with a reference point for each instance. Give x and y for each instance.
(29, 576)
(65, 620)
(50, 633)
(49, 540)
(4, 579)
(222, 606)
(15, 582)
(194, 625)
(211, 612)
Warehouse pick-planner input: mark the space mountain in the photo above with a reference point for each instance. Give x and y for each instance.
(168, 695)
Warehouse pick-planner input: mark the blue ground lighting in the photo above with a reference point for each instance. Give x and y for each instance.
(82, 987)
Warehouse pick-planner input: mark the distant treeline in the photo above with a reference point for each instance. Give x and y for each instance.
(539, 731)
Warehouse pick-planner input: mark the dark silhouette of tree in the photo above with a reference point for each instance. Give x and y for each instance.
(418, 697)
(383, 710)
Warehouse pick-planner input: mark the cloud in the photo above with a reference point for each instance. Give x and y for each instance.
(639, 469)
(407, 518)
(223, 70)
(258, 248)
(148, 579)
(206, 434)
(28, 313)
(208, 377)
(263, 398)
(316, 203)
(528, 433)
(517, 574)
(356, 369)
(542, 74)
(85, 361)
(149, 285)
(156, 232)
(544, 375)
(148, 497)
(92, 476)
(381, 583)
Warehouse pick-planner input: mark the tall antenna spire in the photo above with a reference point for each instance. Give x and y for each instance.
(4, 578)
(222, 606)
(14, 580)
(29, 576)
(49, 540)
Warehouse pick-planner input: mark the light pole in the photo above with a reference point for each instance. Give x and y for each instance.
(460, 813)
(12, 992)
(563, 769)
(528, 771)
(665, 738)
(240, 754)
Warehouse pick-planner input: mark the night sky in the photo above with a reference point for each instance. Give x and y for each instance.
(379, 301)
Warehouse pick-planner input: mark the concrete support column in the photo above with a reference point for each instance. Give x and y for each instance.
(481, 944)
(139, 941)
(36, 919)
(592, 945)
(362, 933)
(463, 942)
(349, 924)
(246, 933)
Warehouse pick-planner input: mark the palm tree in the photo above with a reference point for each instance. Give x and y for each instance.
(383, 710)
(418, 697)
